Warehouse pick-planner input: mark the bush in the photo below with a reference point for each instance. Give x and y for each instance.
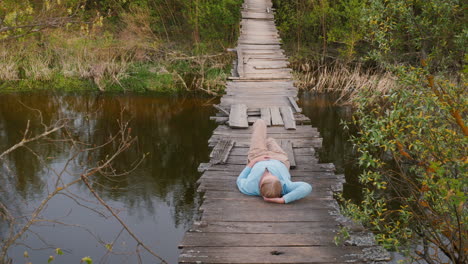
(413, 145)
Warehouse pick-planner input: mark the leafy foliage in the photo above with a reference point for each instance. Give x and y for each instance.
(408, 31)
(380, 31)
(413, 146)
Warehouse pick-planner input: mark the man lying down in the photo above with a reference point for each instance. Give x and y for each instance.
(267, 172)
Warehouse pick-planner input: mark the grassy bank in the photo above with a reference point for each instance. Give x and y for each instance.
(351, 45)
(161, 46)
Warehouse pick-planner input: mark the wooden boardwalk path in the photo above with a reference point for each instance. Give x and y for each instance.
(236, 228)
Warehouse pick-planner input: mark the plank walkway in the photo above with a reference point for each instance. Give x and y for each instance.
(236, 228)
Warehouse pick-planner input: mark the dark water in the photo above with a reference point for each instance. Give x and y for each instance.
(327, 116)
(158, 200)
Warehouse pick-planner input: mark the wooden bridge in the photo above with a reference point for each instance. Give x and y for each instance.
(236, 228)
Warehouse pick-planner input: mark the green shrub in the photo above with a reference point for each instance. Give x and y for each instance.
(413, 145)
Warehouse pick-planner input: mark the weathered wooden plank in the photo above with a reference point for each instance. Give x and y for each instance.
(273, 130)
(219, 119)
(294, 104)
(276, 119)
(269, 215)
(301, 142)
(258, 92)
(259, 204)
(288, 118)
(284, 68)
(222, 110)
(284, 255)
(252, 240)
(238, 151)
(220, 152)
(238, 116)
(261, 47)
(265, 115)
(240, 62)
(268, 85)
(310, 228)
(252, 102)
(287, 146)
(257, 15)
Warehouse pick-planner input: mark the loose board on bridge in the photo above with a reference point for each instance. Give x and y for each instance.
(287, 146)
(276, 119)
(220, 152)
(266, 115)
(238, 116)
(288, 117)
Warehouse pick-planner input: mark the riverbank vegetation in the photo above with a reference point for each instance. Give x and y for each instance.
(119, 45)
(402, 64)
(365, 39)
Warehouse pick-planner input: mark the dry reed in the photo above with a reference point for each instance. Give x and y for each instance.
(96, 55)
(343, 79)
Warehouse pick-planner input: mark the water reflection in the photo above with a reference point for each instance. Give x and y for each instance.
(327, 116)
(158, 199)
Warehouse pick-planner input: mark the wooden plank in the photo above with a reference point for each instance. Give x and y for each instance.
(269, 215)
(222, 110)
(287, 146)
(219, 119)
(238, 151)
(251, 240)
(238, 116)
(310, 228)
(265, 115)
(260, 204)
(272, 68)
(294, 104)
(221, 151)
(276, 119)
(301, 142)
(285, 255)
(240, 62)
(288, 118)
(273, 130)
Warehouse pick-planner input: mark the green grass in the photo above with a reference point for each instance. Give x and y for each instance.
(141, 78)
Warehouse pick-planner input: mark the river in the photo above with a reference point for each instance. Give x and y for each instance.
(157, 200)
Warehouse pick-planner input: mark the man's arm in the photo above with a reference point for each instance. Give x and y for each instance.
(296, 191)
(279, 200)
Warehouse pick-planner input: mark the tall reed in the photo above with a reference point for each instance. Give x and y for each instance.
(341, 78)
